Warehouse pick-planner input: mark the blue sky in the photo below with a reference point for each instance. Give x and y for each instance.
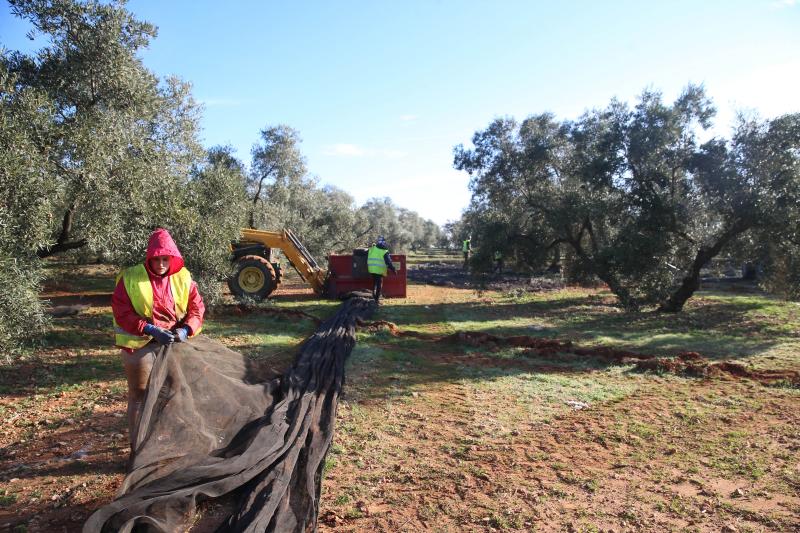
(381, 91)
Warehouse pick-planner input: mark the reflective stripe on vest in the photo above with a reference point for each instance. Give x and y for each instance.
(375, 261)
(140, 292)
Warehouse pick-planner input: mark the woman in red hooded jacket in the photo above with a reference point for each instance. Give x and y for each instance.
(155, 303)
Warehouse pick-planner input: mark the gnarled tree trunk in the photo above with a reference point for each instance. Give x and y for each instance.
(691, 282)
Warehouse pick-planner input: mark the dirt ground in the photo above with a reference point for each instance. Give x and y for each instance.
(587, 470)
(429, 437)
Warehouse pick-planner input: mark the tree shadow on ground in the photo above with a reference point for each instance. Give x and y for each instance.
(395, 370)
(717, 329)
(54, 372)
(375, 375)
(62, 511)
(98, 461)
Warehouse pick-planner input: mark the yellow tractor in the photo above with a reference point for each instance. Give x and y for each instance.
(257, 273)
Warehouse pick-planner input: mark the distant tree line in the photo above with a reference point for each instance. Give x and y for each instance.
(629, 196)
(281, 194)
(96, 151)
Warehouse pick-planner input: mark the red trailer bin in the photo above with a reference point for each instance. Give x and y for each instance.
(349, 273)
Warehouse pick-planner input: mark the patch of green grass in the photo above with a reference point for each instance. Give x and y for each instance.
(498, 521)
(353, 514)
(321, 308)
(591, 485)
(569, 477)
(53, 376)
(529, 396)
(630, 515)
(330, 464)
(717, 324)
(478, 471)
(642, 430)
(7, 498)
(342, 499)
(734, 458)
(557, 492)
(678, 507)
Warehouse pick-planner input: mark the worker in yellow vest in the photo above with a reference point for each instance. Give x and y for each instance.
(466, 248)
(378, 263)
(155, 303)
(498, 262)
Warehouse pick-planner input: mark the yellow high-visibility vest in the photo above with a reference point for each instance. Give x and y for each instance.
(137, 285)
(375, 261)
(465, 246)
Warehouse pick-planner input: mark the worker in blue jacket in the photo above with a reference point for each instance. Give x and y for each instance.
(378, 263)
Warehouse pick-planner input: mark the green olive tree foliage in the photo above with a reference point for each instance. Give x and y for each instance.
(119, 139)
(203, 215)
(211, 214)
(278, 172)
(747, 187)
(281, 194)
(336, 225)
(382, 219)
(455, 231)
(403, 229)
(96, 151)
(424, 233)
(25, 206)
(629, 191)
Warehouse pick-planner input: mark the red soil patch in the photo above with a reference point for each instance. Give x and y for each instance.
(394, 331)
(685, 363)
(700, 367)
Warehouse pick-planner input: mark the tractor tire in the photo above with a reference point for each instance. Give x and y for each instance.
(253, 278)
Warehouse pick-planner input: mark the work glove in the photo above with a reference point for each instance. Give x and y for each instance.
(162, 336)
(181, 334)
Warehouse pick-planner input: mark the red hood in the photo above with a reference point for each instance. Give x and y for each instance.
(161, 243)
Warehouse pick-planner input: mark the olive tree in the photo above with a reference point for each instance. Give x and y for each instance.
(629, 192)
(95, 152)
(382, 218)
(120, 139)
(747, 185)
(278, 171)
(424, 233)
(281, 194)
(209, 215)
(25, 209)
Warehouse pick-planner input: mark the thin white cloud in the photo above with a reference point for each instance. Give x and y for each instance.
(354, 150)
(779, 4)
(408, 118)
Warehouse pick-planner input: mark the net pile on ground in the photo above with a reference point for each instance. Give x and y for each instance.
(215, 422)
